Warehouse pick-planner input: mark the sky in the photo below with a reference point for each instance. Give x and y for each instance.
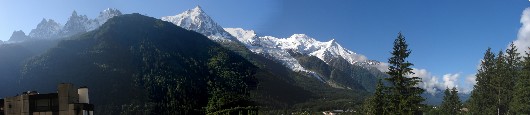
(447, 37)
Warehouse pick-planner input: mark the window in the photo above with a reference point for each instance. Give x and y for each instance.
(42, 105)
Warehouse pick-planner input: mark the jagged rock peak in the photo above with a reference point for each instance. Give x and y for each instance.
(43, 20)
(75, 16)
(45, 29)
(75, 24)
(197, 9)
(78, 24)
(107, 14)
(197, 20)
(45, 23)
(18, 36)
(111, 11)
(74, 13)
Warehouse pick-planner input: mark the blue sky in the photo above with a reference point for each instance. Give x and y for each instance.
(445, 36)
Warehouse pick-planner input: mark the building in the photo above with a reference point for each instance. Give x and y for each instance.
(67, 101)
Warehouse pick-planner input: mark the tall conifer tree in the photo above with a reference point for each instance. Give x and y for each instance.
(513, 72)
(451, 104)
(481, 100)
(404, 95)
(455, 101)
(500, 81)
(446, 103)
(520, 103)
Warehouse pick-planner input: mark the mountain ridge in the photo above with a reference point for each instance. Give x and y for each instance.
(145, 62)
(277, 49)
(76, 24)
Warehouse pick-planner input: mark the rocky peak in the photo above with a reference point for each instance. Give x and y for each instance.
(45, 29)
(107, 14)
(78, 24)
(197, 20)
(18, 36)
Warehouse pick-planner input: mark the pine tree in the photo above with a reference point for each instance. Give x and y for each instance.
(451, 104)
(404, 97)
(481, 100)
(500, 82)
(376, 103)
(520, 103)
(513, 68)
(457, 104)
(446, 103)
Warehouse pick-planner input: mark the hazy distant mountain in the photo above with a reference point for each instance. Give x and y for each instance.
(107, 14)
(18, 36)
(46, 29)
(76, 24)
(80, 23)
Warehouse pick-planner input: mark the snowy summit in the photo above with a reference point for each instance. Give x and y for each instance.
(196, 19)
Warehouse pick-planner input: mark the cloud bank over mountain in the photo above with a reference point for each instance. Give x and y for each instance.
(432, 83)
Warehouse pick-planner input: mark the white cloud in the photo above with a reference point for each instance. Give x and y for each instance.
(523, 37)
(431, 84)
(383, 67)
(471, 81)
(450, 80)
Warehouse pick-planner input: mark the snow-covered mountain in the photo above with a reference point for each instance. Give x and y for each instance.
(276, 48)
(196, 19)
(48, 28)
(300, 43)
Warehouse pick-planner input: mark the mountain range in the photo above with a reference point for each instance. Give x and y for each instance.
(124, 56)
(295, 72)
(279, 49)
(49, 29)
(342, 68)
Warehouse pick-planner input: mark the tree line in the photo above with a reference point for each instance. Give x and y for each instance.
(503, 86)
